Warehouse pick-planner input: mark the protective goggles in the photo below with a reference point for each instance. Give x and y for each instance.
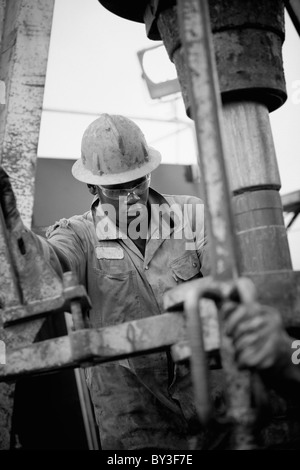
(138, 190)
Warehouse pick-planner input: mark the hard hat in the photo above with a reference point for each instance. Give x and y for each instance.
(114, 151)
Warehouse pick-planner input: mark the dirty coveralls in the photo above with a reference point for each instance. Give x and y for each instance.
(145, 401)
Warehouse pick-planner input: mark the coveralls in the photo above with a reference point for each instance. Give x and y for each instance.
(145, 401)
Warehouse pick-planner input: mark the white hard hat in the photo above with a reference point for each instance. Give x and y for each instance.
(114, 151)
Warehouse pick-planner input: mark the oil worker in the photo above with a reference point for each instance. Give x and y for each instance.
(132, 246)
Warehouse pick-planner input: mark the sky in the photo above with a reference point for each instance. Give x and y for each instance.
(93, 68)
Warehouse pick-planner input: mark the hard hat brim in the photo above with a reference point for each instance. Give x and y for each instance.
(86, 176)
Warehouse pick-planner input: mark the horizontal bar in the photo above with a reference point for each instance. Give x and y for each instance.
(43, 307)
(101, 345)
(278, 289)
(291, 201)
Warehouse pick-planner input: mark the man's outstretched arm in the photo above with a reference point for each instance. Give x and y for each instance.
(65, 254)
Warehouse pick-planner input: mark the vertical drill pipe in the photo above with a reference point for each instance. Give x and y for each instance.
(77, 316)
(199, 369)
(10, 293)
(206, 112)
(195, 31)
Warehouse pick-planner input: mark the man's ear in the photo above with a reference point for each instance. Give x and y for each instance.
(92, 189)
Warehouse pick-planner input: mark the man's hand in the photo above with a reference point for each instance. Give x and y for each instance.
(258, 335)
(8, 201)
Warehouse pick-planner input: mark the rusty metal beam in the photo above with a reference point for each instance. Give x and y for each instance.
(291, 204)
(31, 288)
(25, 27)
(204, 94)
(279, 289)
(10, 295)
(98, 345)
(23, 61)
(58, 303)
(91, 346)
(291, 201)
(206, 112)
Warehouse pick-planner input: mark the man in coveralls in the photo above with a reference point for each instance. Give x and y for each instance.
(132, 246)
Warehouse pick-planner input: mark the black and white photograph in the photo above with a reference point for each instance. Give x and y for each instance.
(149, 227)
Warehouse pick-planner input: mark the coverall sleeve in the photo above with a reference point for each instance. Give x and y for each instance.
(203, 255)
(197, 219)
(64, 248)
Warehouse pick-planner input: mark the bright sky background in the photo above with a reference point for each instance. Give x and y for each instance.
(93, 68)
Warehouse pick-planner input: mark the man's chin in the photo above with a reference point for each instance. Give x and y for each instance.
(136, 210)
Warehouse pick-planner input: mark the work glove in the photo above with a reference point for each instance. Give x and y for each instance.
(259, 338)
(8, 201)
(262, 344)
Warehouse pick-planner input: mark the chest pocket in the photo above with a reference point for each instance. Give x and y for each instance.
(186, 267)
(117, 287)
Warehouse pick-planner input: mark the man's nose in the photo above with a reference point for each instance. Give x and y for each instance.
(132, 198)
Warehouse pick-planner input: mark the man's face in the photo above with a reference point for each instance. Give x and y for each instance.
(129, 200)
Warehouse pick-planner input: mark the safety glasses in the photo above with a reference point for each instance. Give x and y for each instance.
(138, 190)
